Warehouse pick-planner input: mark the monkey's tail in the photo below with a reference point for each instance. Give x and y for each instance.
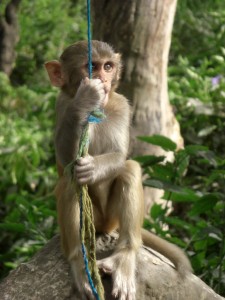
(170, 251)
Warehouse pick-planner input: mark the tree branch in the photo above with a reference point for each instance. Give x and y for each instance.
(11, 12)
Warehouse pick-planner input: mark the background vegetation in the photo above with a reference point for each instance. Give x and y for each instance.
(197, 91)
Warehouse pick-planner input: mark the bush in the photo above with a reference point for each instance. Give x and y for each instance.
(200, 222)
(46, 29)
(27, 172)
(196, 89)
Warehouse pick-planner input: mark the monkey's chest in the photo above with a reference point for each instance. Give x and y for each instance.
(102, 138)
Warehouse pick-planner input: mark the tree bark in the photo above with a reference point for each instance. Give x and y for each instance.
(9, 36)
(141, 31)
(47, 276)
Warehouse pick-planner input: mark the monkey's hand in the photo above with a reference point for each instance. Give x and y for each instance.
(85, 170)
(91, 94)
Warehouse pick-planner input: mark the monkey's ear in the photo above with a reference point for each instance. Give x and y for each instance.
(55, 73)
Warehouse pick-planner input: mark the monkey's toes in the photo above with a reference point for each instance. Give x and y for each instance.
(123, 287)
(105, 265)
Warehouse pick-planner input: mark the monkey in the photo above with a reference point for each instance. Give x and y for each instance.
(114, 181)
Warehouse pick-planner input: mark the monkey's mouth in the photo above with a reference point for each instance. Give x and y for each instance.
(107, 89)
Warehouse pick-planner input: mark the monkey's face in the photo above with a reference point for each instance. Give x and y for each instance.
(103, 69)
(73, 67)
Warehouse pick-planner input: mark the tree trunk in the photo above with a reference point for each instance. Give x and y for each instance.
(47, 277)
(141, 31)
(9, 36)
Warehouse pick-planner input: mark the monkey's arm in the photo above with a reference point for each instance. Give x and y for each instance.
(91, 169)
(68, 131)
(72, 114)
(108, 145)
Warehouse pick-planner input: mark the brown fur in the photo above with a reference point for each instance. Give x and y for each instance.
(114, 183)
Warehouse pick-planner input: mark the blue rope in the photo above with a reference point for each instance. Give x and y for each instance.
(84, 252)
(92, 118)
(89, 38)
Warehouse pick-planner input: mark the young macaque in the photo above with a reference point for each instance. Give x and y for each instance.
(114, 183)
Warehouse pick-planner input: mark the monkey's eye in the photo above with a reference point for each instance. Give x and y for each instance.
(108, 67)
(94, 66)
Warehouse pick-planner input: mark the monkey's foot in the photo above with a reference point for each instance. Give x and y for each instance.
(81, 282)
(88, 292)
(121, 266)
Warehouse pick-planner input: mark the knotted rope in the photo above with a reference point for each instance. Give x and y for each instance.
(87, 229)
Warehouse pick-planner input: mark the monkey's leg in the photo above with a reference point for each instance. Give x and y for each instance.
(125, 204)
(69, 222)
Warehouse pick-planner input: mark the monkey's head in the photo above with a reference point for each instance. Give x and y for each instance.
(72, 66)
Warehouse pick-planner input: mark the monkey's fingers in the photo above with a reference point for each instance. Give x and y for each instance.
(96, 82)
(86, 174)
(85, 160)
(84, 168)
(85, 178)
(105, 265)
(98, 85)
(84, 171)
(86, 80)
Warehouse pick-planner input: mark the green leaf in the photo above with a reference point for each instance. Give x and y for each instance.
(157, 211)
(159, 140)
(195, 149)
(177, 241)
(163, 171)
(198, 260)
(206, 131)
(149, 160)
(175, 221)
(158, 184)
(186, 195)
(215, 236)
(14, 227)
(205, 204)
(182, 159)
(209, 157)
(175, 193)
(200, 245)
(11, 265)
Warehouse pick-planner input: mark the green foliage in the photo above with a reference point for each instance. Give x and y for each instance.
(199, 30)
(28, 174)
(199, 98)
(200, 201)
(196, 89)
(27, 209)
(46, 28)
(165, 143)
(195, 181)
